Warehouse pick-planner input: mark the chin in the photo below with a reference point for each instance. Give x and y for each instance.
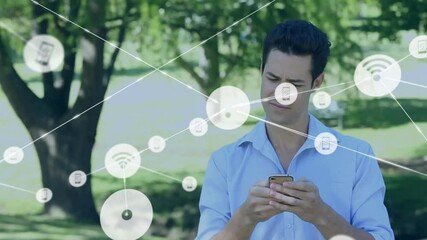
(281, 119)
(290, 117)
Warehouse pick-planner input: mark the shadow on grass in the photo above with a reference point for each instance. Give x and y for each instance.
(42, 227)
(176, 213)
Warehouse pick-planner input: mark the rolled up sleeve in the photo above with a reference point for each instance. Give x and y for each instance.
(368, 211)
(214, 205)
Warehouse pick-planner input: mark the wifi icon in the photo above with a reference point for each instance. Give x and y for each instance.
(376, 66)
(123, 159)
(377, 75)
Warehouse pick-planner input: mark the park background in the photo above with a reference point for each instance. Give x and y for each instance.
(157, 31)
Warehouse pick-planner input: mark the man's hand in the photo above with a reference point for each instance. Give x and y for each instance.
(256, 207)
(301, 198)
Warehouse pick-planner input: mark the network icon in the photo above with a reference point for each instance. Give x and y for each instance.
(122, 160)
(377, 75)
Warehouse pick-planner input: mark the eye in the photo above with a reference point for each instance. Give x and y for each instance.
(273, 79)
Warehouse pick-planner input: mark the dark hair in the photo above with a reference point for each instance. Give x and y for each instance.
(298, 37)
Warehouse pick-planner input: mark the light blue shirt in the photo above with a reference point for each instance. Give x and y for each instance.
(349, 182)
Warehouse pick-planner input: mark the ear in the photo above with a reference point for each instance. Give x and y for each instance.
(260, 67)
(318, 81)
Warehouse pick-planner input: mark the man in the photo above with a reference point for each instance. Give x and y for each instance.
(337, 194)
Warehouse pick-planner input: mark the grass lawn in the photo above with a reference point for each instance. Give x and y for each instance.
(178, 218)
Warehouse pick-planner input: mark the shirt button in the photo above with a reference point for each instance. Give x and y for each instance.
(289, 226)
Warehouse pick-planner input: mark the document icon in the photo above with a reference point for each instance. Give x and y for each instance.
(198, 127)
(322, 100)
(422, 46)
(44, 194)
(286, 93)
(326, 144)
(77, 178)
(44, 53)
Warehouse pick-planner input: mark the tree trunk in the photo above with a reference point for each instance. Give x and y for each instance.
(68, 148)
(212, 68)
(60, 153)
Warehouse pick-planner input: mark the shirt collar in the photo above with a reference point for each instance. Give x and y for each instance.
(258, 135)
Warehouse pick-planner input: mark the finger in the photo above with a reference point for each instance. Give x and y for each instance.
(304, 179)
(281, 207)
(265, 208)
(259, 191)
(261, 200)
(301, 186)
(262, 183)
(288, 200)
(288, 191)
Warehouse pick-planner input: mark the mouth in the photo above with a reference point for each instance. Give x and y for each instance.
(278, 105)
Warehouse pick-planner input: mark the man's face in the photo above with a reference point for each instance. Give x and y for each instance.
(281, 67)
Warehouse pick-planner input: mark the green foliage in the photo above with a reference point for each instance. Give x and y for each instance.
(380, 111)
(394, 15)
(407, 205)
(171, 27)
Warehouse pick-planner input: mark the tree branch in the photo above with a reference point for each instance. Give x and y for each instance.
(120, 40)
(93, 81)
(187, 67)
(25, 103)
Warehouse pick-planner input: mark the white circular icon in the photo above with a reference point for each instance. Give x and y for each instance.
(77, 178)
(286, 93)
(377, 75)
(321, 100)
(198, 127)
(326, 143)
(43, 53)
(156, 144)
(13, 155)
(122, 160)
(418, 47)
(44, 195)
(228, 107)
(126, 214)
(189, 183)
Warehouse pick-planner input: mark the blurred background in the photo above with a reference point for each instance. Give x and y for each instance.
(200, 45)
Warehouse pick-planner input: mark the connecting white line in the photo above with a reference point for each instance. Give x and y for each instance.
(17, 188)
(397, 62)
(145, 62)
(166, 139)
(313, 138)
(98, 170)
(402, 59)
(343, 90)
(273, 97)
(140, 79)
(204, 41)
(2, 25)
(121, 49)
(409, 83)
(161, 174)
(395, 99)
(124, 186)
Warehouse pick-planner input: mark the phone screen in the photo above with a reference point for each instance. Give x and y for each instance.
(279, 179)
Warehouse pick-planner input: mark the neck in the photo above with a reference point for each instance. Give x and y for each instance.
(283, 138)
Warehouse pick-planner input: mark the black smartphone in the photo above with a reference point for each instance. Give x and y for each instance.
(279, 179)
